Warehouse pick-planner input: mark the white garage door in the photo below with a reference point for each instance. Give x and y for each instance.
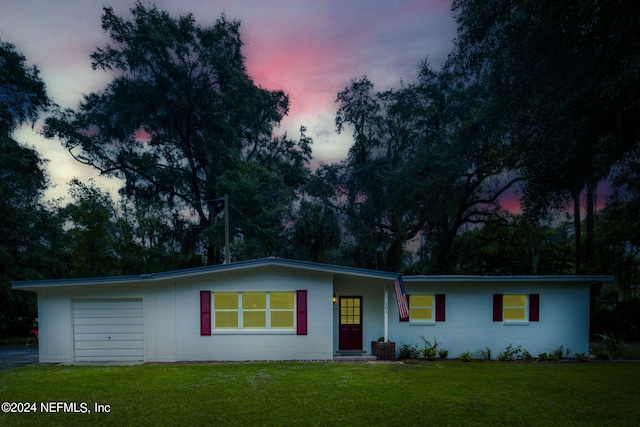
(108, 330)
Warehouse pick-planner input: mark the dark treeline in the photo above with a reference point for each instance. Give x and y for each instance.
(538, 100)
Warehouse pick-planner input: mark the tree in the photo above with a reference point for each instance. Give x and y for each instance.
(530, 248)
(463, 167)
(32, 243)
(104, 238)
(616, 309)
(369, 184)
(91, 231)
(22, 92)
(618, 229)
(183, 124)
(31, 233)
(315, 235)
(150, 237)
(422, 165)
(564, 80)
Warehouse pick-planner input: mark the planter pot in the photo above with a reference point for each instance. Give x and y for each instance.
(383, 350)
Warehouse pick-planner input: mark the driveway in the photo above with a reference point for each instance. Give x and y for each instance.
(13, 355)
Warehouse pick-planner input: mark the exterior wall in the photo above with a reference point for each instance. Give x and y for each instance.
(172, 316)
(372, 292)
(469, 325)
(160, 323)
(56, 320)
(55, 331)
(262, 345)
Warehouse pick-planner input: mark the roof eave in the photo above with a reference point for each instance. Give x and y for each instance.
(141, 279)
(524, 278)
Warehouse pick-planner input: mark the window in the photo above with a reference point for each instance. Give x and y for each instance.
(350, 311)
(225, 308)
(282, 304)
(421, 309)
(254, 310)
(426, 308)
(516, 308)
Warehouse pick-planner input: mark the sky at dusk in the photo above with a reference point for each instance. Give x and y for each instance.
(310, 49)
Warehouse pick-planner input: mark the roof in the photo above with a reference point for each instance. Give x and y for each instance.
(590, 279)
(149, 278)
(35, 285)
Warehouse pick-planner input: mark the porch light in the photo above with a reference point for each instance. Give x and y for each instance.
(335, 298)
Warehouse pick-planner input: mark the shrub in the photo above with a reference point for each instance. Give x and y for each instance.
(557, 354)
(561, 353)
(465, 357)
(581, 357)
(429, 353)
(409, 351)
(430, 350)
(510, 353)
(609, 347)
(485, 354)
(443, 353)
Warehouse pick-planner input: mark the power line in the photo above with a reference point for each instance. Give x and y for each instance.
(256, 225)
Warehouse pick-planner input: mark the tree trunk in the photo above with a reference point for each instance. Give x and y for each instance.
(592, 185)
(395, 254)
(213, 254)
(577, 225)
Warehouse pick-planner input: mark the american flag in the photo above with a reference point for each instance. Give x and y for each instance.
(401, 297)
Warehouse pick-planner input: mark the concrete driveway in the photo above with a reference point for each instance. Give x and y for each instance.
(13, 355)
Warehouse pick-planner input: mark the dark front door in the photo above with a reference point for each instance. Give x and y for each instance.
(350, 336)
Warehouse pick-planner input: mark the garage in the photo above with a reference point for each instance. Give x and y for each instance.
(108, 330)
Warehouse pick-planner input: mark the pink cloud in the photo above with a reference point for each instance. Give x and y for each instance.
(310, 49)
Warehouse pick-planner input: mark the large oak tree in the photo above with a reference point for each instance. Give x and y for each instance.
(183, 124)
(30, 234)
(565, 88)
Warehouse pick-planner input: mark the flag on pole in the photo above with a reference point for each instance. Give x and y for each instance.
(401, 297)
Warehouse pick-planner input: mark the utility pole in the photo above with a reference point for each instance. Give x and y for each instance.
(227, 255)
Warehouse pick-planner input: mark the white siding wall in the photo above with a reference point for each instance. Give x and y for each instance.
(171, 311)
(160, 323)
(55, 328)
(239, 346)
(469, 325)
(56, 319)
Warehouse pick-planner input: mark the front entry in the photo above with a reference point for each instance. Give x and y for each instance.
(350, 335)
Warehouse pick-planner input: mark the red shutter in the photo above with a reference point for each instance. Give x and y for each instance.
(301, 303)
(497, 307)
(205, 313)
(406, 319)
(440, 308)
(534, 307)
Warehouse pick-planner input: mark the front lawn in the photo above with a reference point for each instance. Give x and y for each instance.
(437, 393)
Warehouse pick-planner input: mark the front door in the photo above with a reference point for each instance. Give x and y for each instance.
(350, 336)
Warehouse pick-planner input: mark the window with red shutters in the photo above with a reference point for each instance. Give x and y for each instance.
(534, 307)
(426, 308)
(301, 310)
(497, 307)
(440, 308)
(205, 313)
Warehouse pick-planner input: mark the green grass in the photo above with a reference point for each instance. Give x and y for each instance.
(436, 393)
